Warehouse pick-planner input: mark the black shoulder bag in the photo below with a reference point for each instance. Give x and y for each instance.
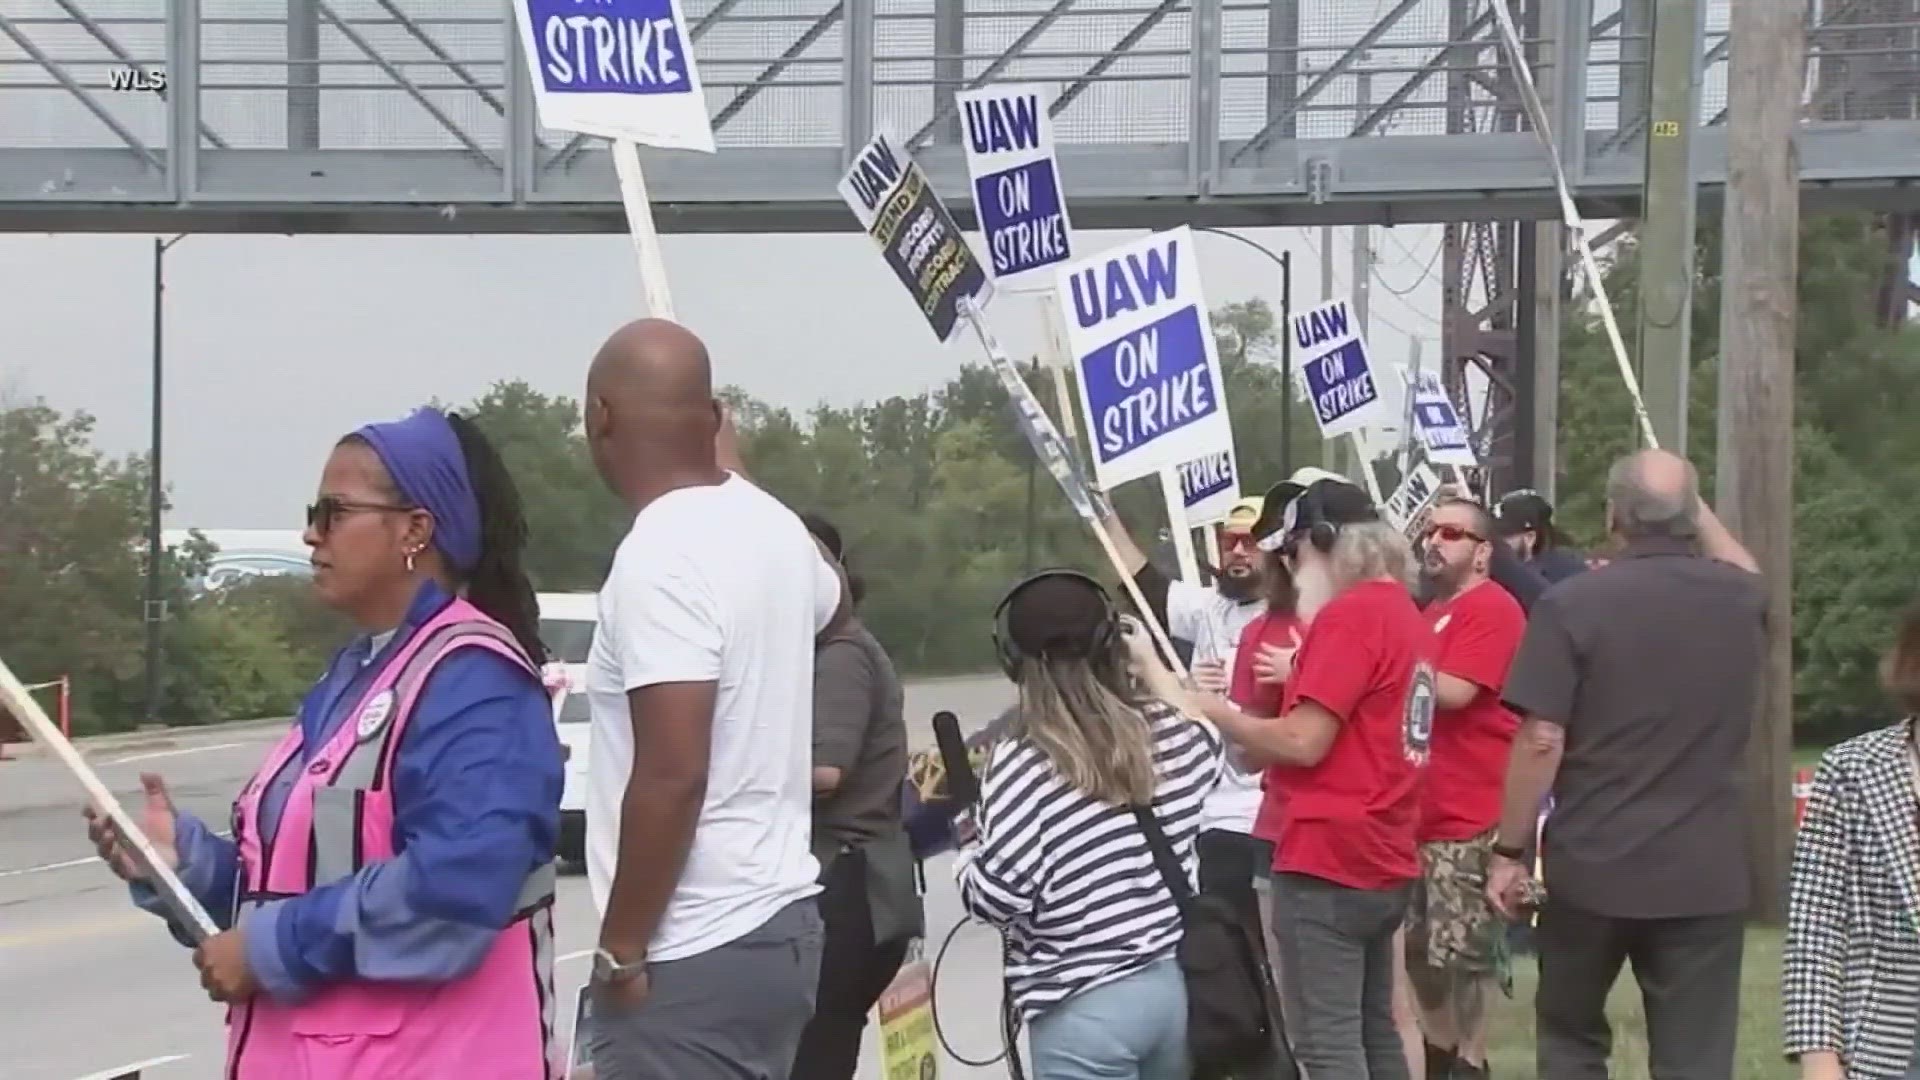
(1230, 1018)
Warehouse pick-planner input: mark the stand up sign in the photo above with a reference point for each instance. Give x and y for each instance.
(1334, 364)
(1143, 351)
(889, 194)
(1017, 194)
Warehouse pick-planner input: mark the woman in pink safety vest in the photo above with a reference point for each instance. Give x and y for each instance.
(386, 896)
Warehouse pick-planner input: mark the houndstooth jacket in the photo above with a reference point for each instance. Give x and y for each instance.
(1851, 971)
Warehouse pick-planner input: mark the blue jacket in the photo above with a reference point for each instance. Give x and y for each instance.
(477, 781)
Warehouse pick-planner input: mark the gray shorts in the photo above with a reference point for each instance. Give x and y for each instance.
(731, 1013)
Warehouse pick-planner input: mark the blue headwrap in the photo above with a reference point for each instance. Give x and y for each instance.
(423, 456)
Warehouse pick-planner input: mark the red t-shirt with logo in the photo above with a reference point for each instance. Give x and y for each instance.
(1353, 818)
(1476, 635)
(1262, 699)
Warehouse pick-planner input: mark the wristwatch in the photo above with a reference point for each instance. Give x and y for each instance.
(1507, 852)
(608, 968)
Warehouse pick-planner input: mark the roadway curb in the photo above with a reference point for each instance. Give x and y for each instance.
(153, 739)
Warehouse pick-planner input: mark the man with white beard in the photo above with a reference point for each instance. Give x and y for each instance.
(1347, 749)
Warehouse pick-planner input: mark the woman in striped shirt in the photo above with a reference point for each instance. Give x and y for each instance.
(1061, 865)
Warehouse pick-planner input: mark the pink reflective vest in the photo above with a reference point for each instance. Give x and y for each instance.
(493, 1024)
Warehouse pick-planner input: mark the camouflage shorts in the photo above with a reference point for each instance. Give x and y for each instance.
(1450, 925)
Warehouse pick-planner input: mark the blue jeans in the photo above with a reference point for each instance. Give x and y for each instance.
(1134, 1028)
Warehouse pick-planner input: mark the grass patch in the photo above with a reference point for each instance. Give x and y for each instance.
(1511, 1052)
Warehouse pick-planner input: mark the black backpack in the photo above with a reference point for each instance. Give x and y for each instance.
(1231, 1024)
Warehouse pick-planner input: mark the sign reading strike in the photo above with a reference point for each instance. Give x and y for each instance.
(1438, 422)
(1209, 487)
(1142, 349)
(619, 69)
(1333, 361)
(1008, 138)
(917, 235)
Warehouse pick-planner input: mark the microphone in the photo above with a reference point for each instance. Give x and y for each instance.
(963, 788)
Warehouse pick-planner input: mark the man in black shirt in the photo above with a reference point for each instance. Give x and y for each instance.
(1638, 683)
(1525, 520)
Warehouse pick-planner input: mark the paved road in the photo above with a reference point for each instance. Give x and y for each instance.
(89, 983)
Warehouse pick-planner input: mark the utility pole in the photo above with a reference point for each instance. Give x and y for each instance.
(1338, 458)
(1758, 312)
(1667, 216)
(155, 608)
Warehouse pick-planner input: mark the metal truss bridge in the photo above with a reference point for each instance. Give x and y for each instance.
(415, 116)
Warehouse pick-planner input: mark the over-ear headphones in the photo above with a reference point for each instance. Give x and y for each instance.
(1106, 635)
(1309, 511)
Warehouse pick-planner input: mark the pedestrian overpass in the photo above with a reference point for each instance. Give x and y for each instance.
(415, 116)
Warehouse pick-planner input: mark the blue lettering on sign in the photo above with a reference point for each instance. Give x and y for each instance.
(875, 174)
(1340, 382)
(608, 47)
(1020, 214)
(1205, 478)
(1150, 382)
(1440, 425)
(1319, 327)
(1118, 286)
(1001, 125)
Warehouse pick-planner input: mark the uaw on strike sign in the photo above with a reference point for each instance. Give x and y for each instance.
(1335, 367)
(1008, 138)
(889, 193)
(1143, 352)
(1209, 486)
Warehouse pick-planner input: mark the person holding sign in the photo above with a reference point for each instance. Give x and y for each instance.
(1454, 954)
(387, 897)
(1348, 747)
(1092, 928)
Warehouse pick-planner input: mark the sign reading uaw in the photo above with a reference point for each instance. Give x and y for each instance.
(1143, 352)
(1335, 366)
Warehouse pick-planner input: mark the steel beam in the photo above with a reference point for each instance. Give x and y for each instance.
(793, 52)
(1378, 30)
(1441, 59)
(183, 109)
(303, 75)
(998, 64)
(856, 75)
(949, 67)
(399, 77)
(99, 33)
(419, 34)
(1126, 43)
(80, 94)
(1283, 63)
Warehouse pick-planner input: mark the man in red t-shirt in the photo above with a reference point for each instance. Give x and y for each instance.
(1347, 749)
(1453, 934)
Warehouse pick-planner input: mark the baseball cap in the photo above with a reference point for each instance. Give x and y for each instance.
(1245, 513)
(1333, 502)
(1522, 511)
(1274, 505)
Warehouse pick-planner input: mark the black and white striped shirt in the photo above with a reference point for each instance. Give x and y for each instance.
(1070, 879)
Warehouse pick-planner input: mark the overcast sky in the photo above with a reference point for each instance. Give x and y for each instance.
(277, 346)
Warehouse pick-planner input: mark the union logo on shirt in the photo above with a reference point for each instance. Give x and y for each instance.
(1417, 725)
(374, 716)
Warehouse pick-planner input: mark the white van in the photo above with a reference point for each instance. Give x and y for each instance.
(566, 627)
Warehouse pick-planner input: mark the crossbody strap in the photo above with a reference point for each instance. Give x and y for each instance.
(1171, 872)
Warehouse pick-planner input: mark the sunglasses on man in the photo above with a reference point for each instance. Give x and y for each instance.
(1451, 533)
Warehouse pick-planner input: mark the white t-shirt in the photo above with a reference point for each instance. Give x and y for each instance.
(718, 584)
(1213, 623)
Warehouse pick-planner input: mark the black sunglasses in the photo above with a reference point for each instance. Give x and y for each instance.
(330, 508)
